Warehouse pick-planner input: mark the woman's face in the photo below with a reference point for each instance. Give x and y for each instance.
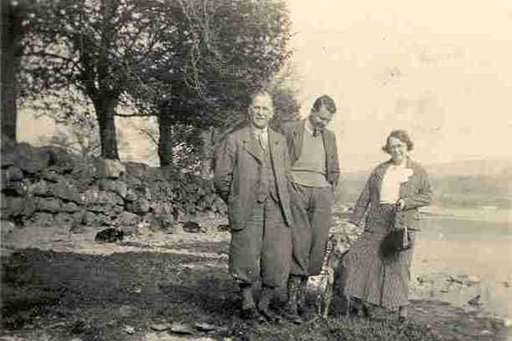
(397, 149)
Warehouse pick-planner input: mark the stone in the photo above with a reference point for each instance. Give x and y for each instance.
(223, 227)
(91, 218)
(129, 230)
(6, 227)
(110, 235)
(191, 227)
(162, 207)
(29, 206)
(18, 187)
(111, 169)
(159, 327)
(131, 195)
(115, 186)
(42, 219)
(78, 217)
(60, 159)
(40, 188)
(27, 158)
(48, 204)
(63, 219)
(12, 206)
(465, 279)
(164, 222)
(50, 175)
(129, 329)
(84, 175)
(12, 174)
(141, 206)
(181, 328)
(127, 219)
(94, 196)
(69, 207)
(136, 169)
(66, 191)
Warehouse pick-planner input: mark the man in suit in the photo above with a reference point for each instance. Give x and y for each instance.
(252, 176)
(315, 171)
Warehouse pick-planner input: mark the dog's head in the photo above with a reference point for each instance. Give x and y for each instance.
(339, 244)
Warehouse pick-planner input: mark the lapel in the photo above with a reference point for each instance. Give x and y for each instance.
(298, 138)
(379, 175)
(327, 144)
(274, 146)
(250, 144)
(404, 185)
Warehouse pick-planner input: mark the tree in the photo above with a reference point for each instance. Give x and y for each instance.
(80, 136)
(14, 15)
(185, 61)
(99, 50)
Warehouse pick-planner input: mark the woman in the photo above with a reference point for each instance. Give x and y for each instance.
(375, 278)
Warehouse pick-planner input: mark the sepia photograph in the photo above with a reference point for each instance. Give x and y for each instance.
(243, 170)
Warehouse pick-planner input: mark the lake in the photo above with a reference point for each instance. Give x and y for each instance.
(440, 223)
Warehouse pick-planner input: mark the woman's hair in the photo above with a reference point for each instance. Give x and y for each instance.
(402, 136)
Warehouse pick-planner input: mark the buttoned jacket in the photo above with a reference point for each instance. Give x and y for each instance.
(415, 191)
(237, 175)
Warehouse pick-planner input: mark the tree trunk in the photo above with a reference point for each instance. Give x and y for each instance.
(105, 109)
(166, 143)
(12, 34)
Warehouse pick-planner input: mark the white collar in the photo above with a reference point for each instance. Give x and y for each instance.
(257, 132)
(309, 126)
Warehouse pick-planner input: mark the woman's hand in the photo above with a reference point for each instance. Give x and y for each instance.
(400, 204)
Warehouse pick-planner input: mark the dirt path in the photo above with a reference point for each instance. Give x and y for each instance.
(58, 286)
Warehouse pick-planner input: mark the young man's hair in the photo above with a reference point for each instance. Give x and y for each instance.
(326, 102)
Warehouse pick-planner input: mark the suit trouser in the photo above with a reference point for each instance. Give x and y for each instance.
(312, 214)
(263, 248)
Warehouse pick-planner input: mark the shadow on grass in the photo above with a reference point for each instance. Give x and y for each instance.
(121, 286)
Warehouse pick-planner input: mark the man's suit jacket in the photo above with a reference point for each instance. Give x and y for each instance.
(294, 133)
(416, 192)
(237, 175)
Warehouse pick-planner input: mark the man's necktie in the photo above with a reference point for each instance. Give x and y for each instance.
(263, 141)
(316, 132)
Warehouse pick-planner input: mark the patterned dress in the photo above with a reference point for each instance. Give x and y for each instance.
(373, 277)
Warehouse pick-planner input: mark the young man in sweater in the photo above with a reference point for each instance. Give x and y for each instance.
(315, 170)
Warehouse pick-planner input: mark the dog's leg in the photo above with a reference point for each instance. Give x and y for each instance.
(327, 299)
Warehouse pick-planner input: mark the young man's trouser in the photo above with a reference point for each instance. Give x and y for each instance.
(262, 250)
(312, 214)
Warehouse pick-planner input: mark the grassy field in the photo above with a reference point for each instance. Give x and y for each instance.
(173, 287)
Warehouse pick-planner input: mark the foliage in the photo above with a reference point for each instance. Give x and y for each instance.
(184, 60)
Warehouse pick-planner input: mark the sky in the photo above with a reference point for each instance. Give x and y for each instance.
(440, 69)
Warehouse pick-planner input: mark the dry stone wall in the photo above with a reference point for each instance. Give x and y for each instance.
(47, 186)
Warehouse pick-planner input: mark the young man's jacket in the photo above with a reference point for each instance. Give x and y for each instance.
(294, 133)
(238, 164)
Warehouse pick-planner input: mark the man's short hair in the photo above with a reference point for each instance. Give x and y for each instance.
(324, 101)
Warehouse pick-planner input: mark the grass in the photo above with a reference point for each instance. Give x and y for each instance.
(66, 295)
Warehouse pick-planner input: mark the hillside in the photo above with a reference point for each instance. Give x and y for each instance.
(462, 183)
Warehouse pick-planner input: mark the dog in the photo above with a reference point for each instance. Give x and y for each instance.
(334, 275)
(110, 235)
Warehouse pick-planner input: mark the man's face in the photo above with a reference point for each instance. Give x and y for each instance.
(321, 118)
(261, 111)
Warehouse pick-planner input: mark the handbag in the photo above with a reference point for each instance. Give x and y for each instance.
(398, 238)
